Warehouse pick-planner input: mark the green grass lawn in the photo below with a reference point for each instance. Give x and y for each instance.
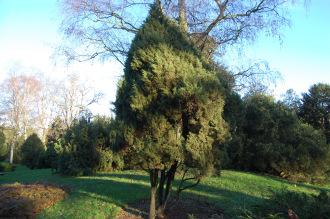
(103, 195)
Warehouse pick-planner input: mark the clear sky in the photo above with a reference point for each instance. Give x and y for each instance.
(29, 33)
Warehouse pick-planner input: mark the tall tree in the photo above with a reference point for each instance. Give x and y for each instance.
(73, 98)
(18, 101)
(103, 28)
(315, 108)
(107, 27)
(170, 103)
(45, 107)
(291, 100)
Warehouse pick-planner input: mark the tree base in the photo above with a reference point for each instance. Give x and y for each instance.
(176, 209)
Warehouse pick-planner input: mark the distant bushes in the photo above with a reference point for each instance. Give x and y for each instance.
(284, 202)
(86, 147)
(7, 167)
(268, 137)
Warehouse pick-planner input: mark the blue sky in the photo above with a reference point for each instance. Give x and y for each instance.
(304, 56)
(29, 33)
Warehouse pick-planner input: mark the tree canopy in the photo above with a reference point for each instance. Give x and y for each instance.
(315, 108)
(170, 102)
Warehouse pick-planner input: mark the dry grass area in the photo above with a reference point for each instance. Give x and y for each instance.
(184, 208)
(26, 200)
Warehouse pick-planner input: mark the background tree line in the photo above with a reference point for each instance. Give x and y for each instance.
(288, 138)
(29, 103)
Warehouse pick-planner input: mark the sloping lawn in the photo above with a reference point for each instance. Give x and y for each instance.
(89, 197)
(103, 195)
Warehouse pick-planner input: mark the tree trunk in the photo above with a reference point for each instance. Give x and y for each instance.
(166, 180)
(152, 210)
(161, 187)
(160, 194)
(153, 193)
(11, 156)
(183, 16)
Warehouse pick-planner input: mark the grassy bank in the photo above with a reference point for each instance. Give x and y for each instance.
(103, 195)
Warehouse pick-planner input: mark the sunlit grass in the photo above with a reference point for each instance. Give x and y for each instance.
(103, 195)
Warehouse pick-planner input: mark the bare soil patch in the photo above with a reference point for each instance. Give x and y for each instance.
(183, 208)
(26, 200)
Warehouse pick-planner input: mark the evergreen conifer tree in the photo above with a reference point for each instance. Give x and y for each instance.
(170, 103)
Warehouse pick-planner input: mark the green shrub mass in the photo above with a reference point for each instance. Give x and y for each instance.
(32, 151)
(6, 167)
(88, 146)
(284, 202)
(3, 146)
(268, 137)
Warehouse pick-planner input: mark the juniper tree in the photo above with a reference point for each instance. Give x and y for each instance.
(170, 103)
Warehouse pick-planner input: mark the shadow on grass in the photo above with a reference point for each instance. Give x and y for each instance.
(127, 194)
(128, 188)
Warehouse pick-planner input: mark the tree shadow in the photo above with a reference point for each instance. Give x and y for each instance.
(128, 189)
(18, 207)
(133, 196)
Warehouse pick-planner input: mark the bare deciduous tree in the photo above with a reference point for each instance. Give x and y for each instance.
(18, 100)
(30, 103)
(46, 107)
(73, 97)
(105, 28)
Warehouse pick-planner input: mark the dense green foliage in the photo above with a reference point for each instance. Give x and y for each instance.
(32, 151)
(267, 136)
(315, 108)
(170, 103)
(3, 145)
(87, 146)
(79, 155)
(305, 206)
(108, 160)
(6, 167)
(54, 141)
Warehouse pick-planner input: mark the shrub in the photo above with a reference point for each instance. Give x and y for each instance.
(118, 162)
(3, 145)
(304, 205)
(109, 161)
(88, 147)
(6, 167)
(54, 144)
(105, 160)
(271, 139)
(52, 155)
(68, 165)
(79, 155)
(32, 150)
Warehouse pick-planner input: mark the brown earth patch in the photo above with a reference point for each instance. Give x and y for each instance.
(184, 208)
(25, 201)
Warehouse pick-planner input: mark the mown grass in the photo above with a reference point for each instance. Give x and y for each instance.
(102, 195)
